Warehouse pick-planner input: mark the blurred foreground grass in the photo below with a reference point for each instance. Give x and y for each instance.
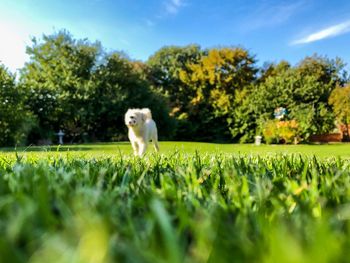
(179, 207)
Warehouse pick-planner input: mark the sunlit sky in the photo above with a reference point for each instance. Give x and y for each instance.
(272, 30)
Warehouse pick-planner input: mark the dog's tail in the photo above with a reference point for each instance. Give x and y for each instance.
(147, 113)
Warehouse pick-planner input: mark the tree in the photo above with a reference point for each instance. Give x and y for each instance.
(340, 100)
(116, 85)
(271, 69)
(220, 80)
(75, 86)
(303, 90)
(163, 69)
(56, 79)
(325, 70)
(15, 119)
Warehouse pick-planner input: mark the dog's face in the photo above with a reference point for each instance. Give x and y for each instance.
(134, 118)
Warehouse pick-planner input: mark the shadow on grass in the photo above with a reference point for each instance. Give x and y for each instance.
(64, 148)
(46, 149)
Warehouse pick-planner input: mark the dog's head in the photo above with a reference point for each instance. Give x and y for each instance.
(134, 118)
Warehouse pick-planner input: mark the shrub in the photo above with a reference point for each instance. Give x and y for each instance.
(276, 131)
(15, 120)
(270, 132)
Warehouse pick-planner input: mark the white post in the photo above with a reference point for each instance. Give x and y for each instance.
(258, 140)
(60, 135)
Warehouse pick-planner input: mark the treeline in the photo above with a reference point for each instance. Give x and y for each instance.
(217, 94)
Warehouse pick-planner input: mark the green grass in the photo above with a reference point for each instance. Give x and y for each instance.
(168, 148)
(193, 203)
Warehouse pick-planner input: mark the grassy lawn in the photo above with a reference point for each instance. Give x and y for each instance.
(174, 208)
(168, 148)
(83, 203)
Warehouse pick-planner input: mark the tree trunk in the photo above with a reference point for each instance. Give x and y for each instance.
(346, 135)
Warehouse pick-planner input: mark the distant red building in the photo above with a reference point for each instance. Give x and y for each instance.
(340, 136)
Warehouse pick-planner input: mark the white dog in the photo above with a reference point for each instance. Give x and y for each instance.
(142, 129)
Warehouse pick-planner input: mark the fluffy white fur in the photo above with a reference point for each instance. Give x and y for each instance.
(142, 130)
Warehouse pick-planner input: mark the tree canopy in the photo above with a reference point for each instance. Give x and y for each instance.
(303, 90)
(340, 101)
(15, 119)
(75, 86)
(215, 94)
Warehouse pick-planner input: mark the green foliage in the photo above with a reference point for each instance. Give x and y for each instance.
(219, 81)
(201, 87)
(270, 132)
(243, 120)
(56, 79)
(183, 208)
(217, 94)
(163, 72)
(15, 120)
(116, 86)
(303, 90)
(340, 101)
(74, 86)
(276, 131)
(305, 114)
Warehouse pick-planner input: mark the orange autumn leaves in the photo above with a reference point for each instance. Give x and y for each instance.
(276, 131)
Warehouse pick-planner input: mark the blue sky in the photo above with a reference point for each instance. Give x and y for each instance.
(272, 30)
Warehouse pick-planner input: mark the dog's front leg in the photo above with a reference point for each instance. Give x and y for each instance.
(156, 146)
(142, 149)
(135, 147)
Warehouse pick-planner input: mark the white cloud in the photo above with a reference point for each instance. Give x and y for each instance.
(173, 6)
(270, 14)
(328, 32)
